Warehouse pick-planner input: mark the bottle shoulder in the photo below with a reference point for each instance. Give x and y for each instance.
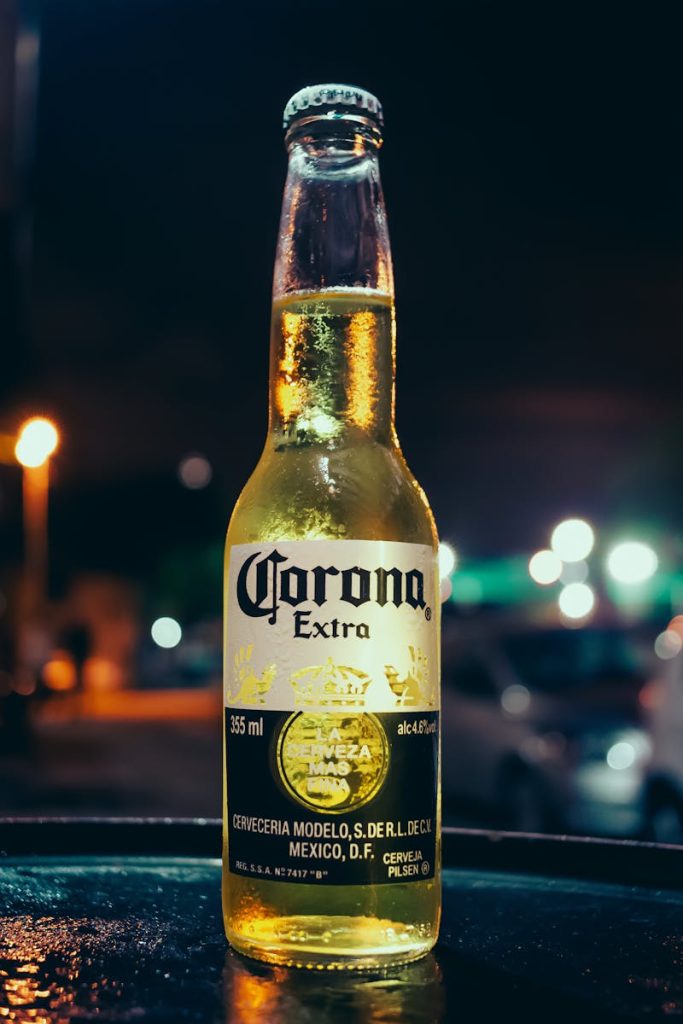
(359, 492)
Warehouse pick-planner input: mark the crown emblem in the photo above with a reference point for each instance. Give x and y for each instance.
(330, 685)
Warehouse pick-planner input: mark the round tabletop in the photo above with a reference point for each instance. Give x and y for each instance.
(103, 921)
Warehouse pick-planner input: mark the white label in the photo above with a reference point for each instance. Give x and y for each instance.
(323, 625)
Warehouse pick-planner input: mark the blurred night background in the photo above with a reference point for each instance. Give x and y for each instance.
(533, 180)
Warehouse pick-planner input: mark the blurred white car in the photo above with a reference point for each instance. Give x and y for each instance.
(663, 700)
(541, 727)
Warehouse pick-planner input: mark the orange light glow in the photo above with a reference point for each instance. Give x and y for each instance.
(254, 994)
(101, 674)
(289, 389)
(59, 674)
(362, 388)
(38, 439)
(651, 696)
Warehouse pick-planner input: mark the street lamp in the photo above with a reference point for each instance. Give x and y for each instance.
(631, 561)
(37, 440)
(448, 559)
(572, 540)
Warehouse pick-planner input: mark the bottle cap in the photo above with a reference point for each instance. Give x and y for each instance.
(333, 101)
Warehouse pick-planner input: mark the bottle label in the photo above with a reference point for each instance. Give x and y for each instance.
(332, 711)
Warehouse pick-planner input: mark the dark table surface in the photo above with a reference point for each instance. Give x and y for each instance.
(104, 922)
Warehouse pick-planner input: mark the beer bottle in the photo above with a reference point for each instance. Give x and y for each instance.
(331, 805)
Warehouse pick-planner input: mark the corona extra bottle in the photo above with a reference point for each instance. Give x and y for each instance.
(332, 808)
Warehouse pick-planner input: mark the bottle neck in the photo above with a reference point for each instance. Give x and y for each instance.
(333, 333)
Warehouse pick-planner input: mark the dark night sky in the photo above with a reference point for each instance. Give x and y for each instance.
(533, 180)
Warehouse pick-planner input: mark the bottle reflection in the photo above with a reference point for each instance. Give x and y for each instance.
(260, 994)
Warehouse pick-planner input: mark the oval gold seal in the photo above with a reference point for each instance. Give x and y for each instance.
(332, 761)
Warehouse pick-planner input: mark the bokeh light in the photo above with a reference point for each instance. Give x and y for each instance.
(166, 632)
(447, 559)
(545, 567)
(676, 625)
(37, 441)
(59, 673)
(572, 540)
(576, 600)
(195, 472)
(668, 644)
(631, 561)
(651, 696)
(101, 674)
(515, 699)
(621, 755)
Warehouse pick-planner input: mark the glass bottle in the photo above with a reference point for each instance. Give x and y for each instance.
(332, 799)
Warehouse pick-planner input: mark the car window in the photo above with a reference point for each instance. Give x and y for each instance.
(556, 661)
(473, 679)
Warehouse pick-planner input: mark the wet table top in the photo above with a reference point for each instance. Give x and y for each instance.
(123, 937)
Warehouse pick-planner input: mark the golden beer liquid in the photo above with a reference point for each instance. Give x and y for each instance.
(332, 470)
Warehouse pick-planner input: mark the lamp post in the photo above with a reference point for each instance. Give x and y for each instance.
(36, 442)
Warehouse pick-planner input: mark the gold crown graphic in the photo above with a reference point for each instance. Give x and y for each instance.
(330, 685)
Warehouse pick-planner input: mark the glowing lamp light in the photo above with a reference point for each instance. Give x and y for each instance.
(59, 673)
(101, 674)
(166, 632)
(576, 600)
(37, 441)
(572, 540)
(515, 699)
(621, 755)
(631, 561)
(676, 625)
(545, 567)
(651, 696)
(668, 644)
(195, 472)
(447, 560)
